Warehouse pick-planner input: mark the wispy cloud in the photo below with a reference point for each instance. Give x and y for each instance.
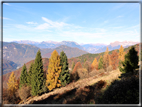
(7, 4)
(32, 23)
(5, 18)
(119, 16)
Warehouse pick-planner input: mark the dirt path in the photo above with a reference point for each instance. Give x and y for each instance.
(107, 76)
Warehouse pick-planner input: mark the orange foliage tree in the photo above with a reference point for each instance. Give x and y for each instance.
(94, 64)
(121, 53)
(54, 70)
(114, 59)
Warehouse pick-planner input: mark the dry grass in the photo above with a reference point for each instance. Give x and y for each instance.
(107, 76)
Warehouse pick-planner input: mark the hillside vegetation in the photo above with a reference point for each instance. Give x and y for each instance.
(83, 81)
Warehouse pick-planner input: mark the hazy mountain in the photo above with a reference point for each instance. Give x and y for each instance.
(19, 53)
(51, 44)
(92, 48)
(8, 66)
(70, 51)
(116, 45)
(22, 53)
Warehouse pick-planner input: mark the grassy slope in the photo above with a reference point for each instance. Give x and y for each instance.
(108, 77)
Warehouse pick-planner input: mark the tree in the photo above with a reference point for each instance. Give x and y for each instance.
(37, 77)
(54, 70)
(100, 66)
(106, 60)
(64, 75)
(30, 74)
(23, 77)
(114, 59)
(121, 53)
(95, 64)
(74, 74)
(131, 61)
(73, 64)
(12, 84)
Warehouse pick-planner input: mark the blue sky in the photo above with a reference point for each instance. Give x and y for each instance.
(79, 22)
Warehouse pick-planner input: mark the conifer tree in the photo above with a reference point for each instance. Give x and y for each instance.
(37, 75)
(106, 60)
(100, 66)
(73, 64)
(64, 75)
(30, 74)
(95, 64)
(12, 84)
(131, 61)
(23, 77)
(121, 53)
(54, 70)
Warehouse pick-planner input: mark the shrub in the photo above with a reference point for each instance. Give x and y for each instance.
(88, 66)
(109, 68)
(83, 73)
(74, 76)
(24, 92)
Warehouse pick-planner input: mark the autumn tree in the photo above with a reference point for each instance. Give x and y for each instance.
(121, 53)
(131, 61)
(64, 75)
(95, 64)
(114, 59)
(23, 76)
(12, 84)
(30, 75)
(74, 74)
(54, 70)
(100, 66)
(106, 60)
(37, 77)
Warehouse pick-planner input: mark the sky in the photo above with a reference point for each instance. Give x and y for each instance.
(78, 22)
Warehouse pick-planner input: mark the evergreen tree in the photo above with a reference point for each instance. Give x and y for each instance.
(131, 61)
(54, 70)
(64, 75)
(30, 74)
(23, 77)
(12, 84)
(37, 75)
(100, 63)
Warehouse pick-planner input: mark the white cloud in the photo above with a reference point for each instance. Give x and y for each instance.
(32, 23)
(7, 4)
(119, 16)
(5, 18)
(43, 26)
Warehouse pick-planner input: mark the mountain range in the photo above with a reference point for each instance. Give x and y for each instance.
(22, 53)
(91, 48)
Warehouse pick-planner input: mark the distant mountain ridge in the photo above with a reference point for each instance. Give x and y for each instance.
(22, 53)
(91, 48)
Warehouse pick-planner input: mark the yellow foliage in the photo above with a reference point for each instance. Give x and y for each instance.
(54, 70)
(121, 53)
(94, 63)
(12, 84)
(106, 59)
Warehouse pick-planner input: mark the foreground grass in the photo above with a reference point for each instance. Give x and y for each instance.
(79, 91)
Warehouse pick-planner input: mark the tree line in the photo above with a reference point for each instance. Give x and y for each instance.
(58, 73)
